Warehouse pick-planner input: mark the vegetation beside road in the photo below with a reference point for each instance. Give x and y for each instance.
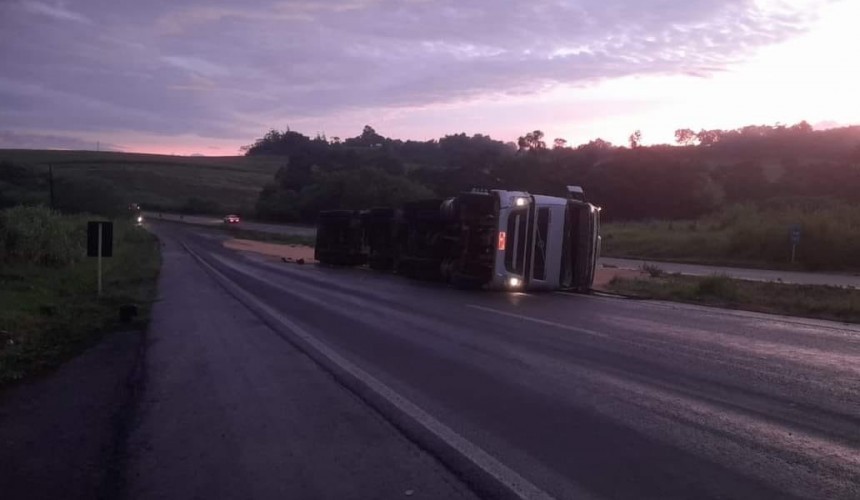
(158, 182)
(748, 235)
(812, 301)
(50, 309)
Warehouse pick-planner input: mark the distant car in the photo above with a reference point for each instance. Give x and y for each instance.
(232, 219)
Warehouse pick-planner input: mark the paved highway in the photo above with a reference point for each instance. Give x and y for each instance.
(572, 396)
(203, 220)
(796, 277)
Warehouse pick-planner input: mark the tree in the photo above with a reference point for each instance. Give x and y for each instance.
(709, 137)
(559, 143)
(685, 136)
(635, 139)
(803, 127)
(533, 141)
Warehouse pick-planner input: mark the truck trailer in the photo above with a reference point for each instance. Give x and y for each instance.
(490, 239)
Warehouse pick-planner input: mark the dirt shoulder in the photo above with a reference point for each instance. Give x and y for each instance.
(275, 251)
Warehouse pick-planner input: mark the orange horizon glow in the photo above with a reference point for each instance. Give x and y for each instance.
(810, 77)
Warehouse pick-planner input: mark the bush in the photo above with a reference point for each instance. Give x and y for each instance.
(40, 236)
(718, 286)
(653, 270)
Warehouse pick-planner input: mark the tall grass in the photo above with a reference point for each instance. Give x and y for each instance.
(37, 235)
(749, 235)
(49, 307)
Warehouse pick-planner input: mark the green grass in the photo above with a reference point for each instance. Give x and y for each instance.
(51, 313)
(230, 183)
(747, 236)
(812, 301)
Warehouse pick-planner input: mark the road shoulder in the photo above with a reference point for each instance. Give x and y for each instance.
(59, 433)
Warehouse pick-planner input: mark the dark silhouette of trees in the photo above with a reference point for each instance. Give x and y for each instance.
(750, 164)
(709, 137)
(532, 142)
(635, 139)
(685, 136)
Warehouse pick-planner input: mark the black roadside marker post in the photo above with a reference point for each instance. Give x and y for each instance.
(795, 240)
(99, 244)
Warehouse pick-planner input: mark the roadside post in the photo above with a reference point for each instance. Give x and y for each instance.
(795, 240)
(99, 244)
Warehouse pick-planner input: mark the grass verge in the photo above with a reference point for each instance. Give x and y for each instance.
(748, 236)
(51, 313)
(812, 301)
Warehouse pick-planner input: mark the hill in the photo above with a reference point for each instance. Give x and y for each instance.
(209, 184)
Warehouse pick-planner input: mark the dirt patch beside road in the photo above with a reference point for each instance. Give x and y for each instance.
(276, 251)
(604, 275)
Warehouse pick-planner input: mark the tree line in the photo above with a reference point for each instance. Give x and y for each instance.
(703, 172)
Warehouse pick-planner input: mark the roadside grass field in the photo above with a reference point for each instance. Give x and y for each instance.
(51, 311)
(811, 301)
(747, 236)
(161, 182)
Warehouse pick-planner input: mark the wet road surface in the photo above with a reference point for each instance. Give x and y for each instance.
(584, 397)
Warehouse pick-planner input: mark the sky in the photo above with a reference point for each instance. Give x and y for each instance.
(208, 76)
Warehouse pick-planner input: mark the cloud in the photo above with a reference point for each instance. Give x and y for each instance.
(56, 11)
(22, 140)
(222, 68)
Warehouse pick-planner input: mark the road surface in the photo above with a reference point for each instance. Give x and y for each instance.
(574, 396)
(203, 220)
(795, 277)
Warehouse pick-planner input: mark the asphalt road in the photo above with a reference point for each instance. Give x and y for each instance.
(581, 396)
(795, 277)
(212, 221)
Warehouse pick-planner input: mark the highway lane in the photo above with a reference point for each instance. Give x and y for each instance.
(202, 220)
(587, 396)
(796, 277)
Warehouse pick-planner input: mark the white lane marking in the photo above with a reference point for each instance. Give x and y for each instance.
(515, 483)
(540, 321)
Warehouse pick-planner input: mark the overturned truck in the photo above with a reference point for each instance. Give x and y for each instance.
(493, 239)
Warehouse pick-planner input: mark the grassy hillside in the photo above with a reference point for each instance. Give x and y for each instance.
(230, 183)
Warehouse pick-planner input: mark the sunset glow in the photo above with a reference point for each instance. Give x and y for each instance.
(159, 81)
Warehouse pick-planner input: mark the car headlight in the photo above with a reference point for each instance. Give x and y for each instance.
(514, 282)
(139, 218)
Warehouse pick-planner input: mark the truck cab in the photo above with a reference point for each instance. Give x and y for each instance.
(545, 242)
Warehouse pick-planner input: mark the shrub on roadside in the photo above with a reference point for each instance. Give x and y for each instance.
(718, 286)
(40, 236)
